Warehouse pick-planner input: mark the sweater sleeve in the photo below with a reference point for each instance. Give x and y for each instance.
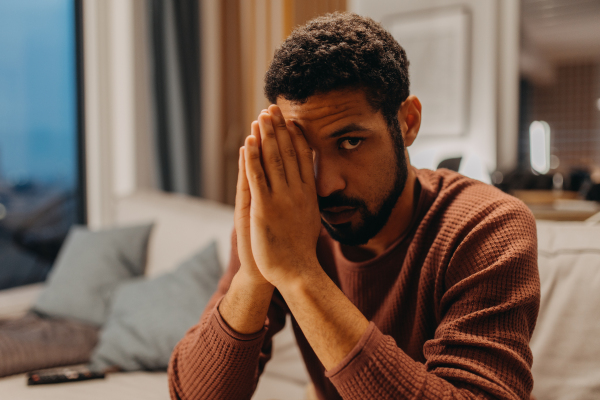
(488, 300)
(213, 361)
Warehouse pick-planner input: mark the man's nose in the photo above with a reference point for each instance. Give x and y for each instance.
(328, 177)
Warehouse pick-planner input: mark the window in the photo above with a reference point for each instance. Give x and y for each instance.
(41, 170)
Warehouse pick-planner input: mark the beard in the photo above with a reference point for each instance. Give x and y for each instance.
(371, 222)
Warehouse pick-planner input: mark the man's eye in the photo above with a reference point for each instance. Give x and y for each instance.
(350, 143)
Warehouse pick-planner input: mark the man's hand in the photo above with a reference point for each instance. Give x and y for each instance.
(284, 212)
(242, 222)
(244, 308)
(284, 229)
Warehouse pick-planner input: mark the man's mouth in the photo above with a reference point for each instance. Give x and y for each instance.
(338, 215)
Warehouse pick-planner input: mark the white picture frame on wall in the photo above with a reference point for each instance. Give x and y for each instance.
(437, 44)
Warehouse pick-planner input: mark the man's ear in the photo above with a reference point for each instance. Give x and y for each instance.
(409, 117)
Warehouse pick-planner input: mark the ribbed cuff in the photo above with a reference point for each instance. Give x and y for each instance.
(376, 365)
(358, 356)
(231, 336)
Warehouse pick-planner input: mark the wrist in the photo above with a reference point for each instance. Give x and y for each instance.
(245, 305)
(305, 273)
(252, 279)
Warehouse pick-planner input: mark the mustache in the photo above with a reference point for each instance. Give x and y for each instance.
(338, 200)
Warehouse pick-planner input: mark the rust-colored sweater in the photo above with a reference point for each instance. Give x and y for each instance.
(452, 306)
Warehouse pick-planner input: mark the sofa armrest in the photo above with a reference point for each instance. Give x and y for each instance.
(17, 301)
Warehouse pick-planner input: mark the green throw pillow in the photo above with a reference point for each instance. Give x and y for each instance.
(88, 269)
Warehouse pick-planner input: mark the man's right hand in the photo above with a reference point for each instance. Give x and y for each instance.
(247, 301)
(242, 220)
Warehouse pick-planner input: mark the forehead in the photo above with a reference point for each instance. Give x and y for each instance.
(324, 113)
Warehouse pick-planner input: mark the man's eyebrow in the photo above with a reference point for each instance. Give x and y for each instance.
(347, 129)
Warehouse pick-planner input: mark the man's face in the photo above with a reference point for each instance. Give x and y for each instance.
(360, 170)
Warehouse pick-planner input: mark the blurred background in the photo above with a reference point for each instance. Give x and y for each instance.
(100, 99)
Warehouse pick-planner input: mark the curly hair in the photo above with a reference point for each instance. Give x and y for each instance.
(336, 51)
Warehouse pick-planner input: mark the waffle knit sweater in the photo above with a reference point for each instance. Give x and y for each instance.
(452, 305)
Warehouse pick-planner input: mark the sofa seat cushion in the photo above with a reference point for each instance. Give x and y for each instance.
(118, 386)
(565, 345)
(132, 385)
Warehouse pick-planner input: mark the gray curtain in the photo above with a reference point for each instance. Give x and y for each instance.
(175, 61)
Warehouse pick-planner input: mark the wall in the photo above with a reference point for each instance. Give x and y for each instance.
(569, 106)
(237, 39)
(492, 121)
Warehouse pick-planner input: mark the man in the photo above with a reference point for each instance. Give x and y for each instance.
(401, 283)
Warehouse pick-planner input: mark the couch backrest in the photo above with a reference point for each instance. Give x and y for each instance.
(183, 225)
(566, 340)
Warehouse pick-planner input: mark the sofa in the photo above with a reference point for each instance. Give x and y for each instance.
(565, 344)
(182, 225)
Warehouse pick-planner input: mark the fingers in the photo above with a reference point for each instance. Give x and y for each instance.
(242, 215)
(255, 131)
(286, 148)
(257, 180)
(304, 153)
(242, 196)
(272, 159)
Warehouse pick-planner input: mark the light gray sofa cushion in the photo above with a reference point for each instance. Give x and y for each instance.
(149, 316)
(89, 267)
(565, 345)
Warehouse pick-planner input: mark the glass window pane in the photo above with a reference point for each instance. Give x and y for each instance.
(39, 170)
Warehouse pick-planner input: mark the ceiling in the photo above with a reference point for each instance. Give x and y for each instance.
(557, 32)
(562, 30)
(553, 13)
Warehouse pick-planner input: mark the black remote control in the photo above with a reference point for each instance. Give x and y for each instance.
(59, 375)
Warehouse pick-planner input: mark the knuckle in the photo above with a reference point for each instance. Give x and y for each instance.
(276, 160)
(257, 176)
(253, 155)
(307, 153)
(289, 152)
(298, 135)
